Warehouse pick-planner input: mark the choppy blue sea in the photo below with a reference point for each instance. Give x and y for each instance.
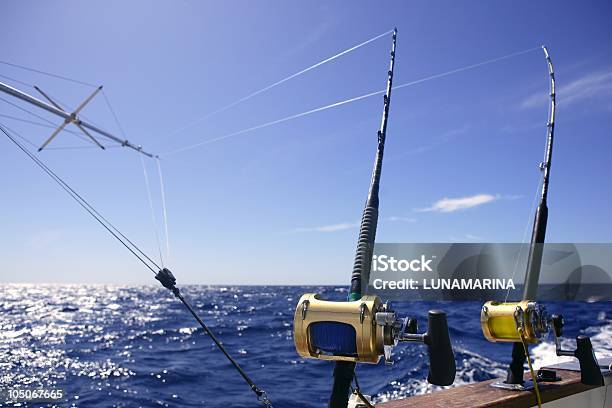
(136, 346)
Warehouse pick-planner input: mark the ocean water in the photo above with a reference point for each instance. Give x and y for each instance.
(136, 346)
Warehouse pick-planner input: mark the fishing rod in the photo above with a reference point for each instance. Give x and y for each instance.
(363, 329)
(526, 322)
(538, 234)
(72, 117)
(345, 371)
(163, 275)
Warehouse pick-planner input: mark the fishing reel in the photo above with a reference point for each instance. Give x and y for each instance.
(528, 321)
(364, 330)
(500, 321)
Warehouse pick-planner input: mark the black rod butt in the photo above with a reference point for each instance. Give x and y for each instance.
(442, 367)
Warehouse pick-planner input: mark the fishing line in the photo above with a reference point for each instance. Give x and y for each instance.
(79, 147)
(81, 115)
(31, 122)
(148, 188)
(163, 275)
(267, 124)
(23, 138)
(153, 218)
(76, 81)
(162, 190)
(466, 68)
(28, 111)
(533, 376)
(52, 125)
(266, 88)
(28, 141)
(523, 239)
(540, 182)
(15, 80)
(110, 107)
(100, 129)
(346, 101)
(357, 390)
(83, 203)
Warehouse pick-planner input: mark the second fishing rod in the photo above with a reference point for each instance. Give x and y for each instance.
(363, 328)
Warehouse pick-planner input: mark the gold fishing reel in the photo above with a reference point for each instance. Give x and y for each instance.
(345, 331)
(500, 321)
(505, 322)
(364, 330)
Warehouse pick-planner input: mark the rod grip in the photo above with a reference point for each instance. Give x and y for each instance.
(442, 366)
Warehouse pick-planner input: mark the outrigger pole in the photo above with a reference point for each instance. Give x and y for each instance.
(344, 371)
(538, 235)
(72, 117)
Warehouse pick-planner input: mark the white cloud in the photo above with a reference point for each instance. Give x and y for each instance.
(595, 84)
(343, 226)
(447, 205)
(474, 237)
(328, 228)
(402, 219)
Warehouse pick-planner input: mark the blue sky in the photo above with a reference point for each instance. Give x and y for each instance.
(281, 204)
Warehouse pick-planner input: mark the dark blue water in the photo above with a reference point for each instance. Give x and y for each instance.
(137, 346)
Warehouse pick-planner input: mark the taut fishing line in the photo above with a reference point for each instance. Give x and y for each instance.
(110, 108)
(148, 187)
(163, 274)
(266, 88)
(523, 239)
(76, 81)
(51, 124)
(15, 80)
(31, 122)
(162, 191)
(133, 248)
(153, 218)
(42, 124)
(346, 101)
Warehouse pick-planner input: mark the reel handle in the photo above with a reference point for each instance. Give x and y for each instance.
(442, 366)
(590, 374)
(557, 324)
